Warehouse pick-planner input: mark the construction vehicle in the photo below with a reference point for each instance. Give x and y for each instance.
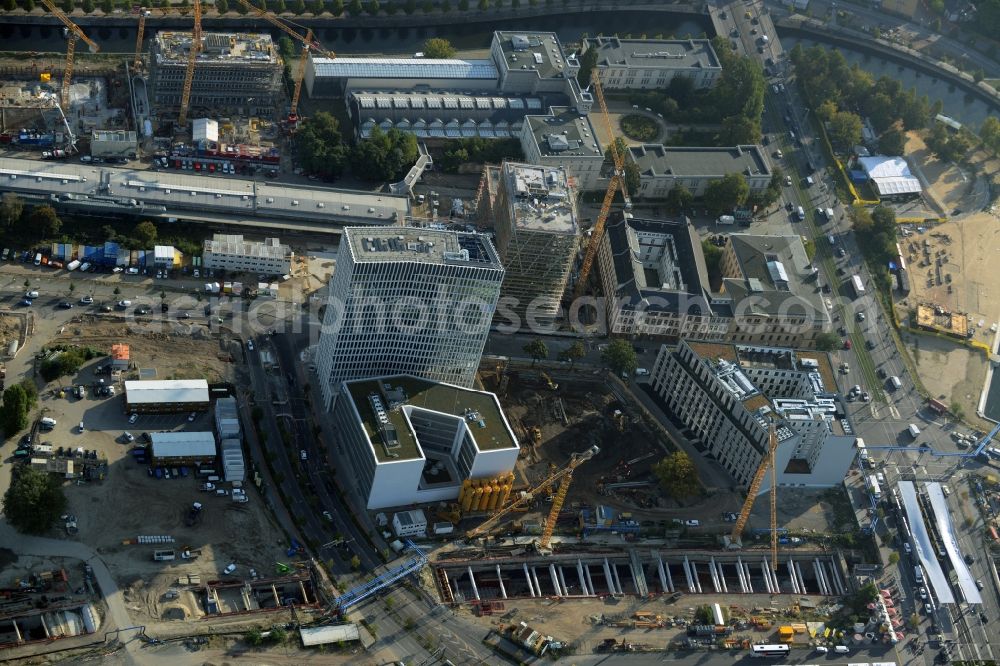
(616, 183)
(735, 538)
(73, 33)
(553, 386)
(196, 46)
(282, 568)
(308, 44)
(564, 476)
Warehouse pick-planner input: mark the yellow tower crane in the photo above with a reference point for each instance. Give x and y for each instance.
(735, 538)
(308, 44)
(192, 58)
(617, 182)
(74, 33)
(563, 476)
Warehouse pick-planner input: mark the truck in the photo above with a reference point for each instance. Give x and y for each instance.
(875, 488)
(163, 555)
(190, 553)
(857, 285)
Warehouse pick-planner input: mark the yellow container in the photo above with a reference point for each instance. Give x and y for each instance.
(494, 498)
(484, 500)
(477, 497)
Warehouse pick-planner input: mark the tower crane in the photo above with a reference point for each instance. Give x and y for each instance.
(75, 32)
(308, 44)
(617, 182)
(192, 58)
(563, 476)
(767, 463)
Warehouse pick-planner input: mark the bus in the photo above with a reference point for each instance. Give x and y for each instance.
(769, 650)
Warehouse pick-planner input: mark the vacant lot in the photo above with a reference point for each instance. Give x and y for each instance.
(129, 502)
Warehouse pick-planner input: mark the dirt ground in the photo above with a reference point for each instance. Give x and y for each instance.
(951, 372)
(578, 621)
(10, 330)
(188, 352)
(629, 450)
(968, 246)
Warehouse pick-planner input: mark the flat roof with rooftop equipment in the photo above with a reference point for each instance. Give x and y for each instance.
(383, 404)
(541, 198)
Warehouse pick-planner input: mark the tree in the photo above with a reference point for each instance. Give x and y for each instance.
(34, 501)
(300, 7)
(713, 260)
(374, 7)
(826, 111)
(957, 410)
(739, 131)
(726, 193)
(320, 146)
(254, 637)
(678, 475)
(280, 7)
(355, 562)
(44, 222)
(384, 156)
(336, 7)
(989, 132)
(117, 291)
(892, 142)
(845, 128)
(241, 8)
(427, 7)
(620, 356)
(445, 6)
(30, 392)
(107, 6)
(67, 5)
(679, 198)
(87, 6)
(827, 341)
(463, 5)
(145, 234)
(9, 5)
(355, 8)
(587, 63)
(286, 47)
(14, 411)
(914, 622)
(64, 363)
(483, 5)
(537, 350)
(893, 558)
(410, 6)
(573, 353)
(435, 47)
(11, 207)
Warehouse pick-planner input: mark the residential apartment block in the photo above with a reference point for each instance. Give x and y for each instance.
(412, 441)
(236, 72)
(231, 252)
(726, 396)
(639, 64)
(533, 212)
(406, 300)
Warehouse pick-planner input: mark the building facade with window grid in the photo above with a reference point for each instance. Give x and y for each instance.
(726, 395)
(407, 300)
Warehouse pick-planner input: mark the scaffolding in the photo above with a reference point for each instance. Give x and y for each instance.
(358, 594)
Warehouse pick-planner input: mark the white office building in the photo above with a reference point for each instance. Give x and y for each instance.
(411, 441)
(726, 395)
(408, 300)
(231, 252)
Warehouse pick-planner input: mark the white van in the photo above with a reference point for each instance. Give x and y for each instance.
(641, 372)
(914, 430)
(841, 649)
(800, 213)
(47, 422)
(809, 181)
(896, 384)
(38, 259)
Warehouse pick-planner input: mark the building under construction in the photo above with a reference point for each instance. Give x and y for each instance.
(236, 73)
(532, 209)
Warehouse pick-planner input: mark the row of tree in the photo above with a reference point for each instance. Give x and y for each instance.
(383, 156)
(299, 7)
(841, 93)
